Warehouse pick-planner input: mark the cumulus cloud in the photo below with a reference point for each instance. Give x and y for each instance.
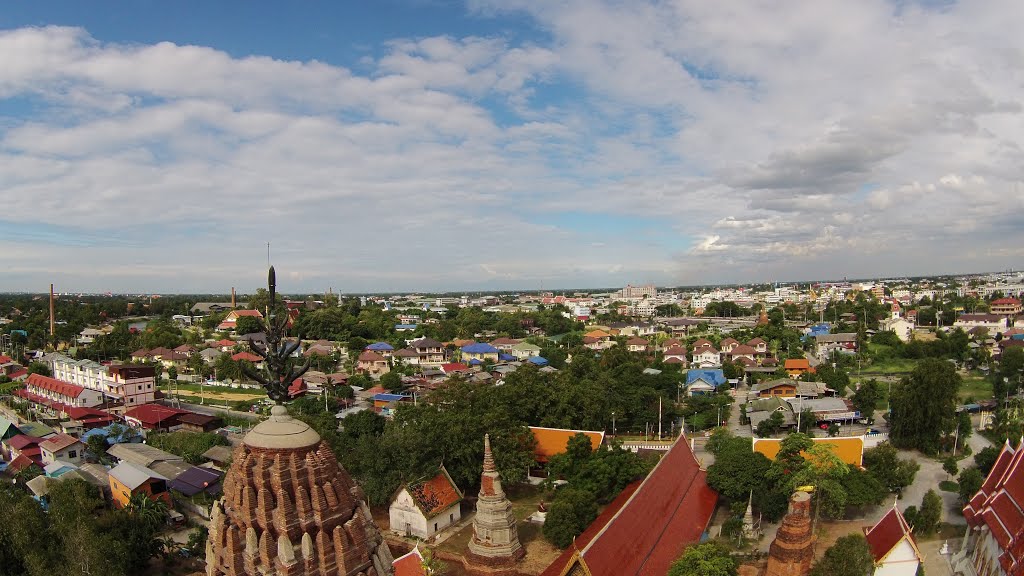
(868, 138)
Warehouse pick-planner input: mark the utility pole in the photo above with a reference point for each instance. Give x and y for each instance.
(659, 418)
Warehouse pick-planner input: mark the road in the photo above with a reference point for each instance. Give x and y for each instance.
(209, 409)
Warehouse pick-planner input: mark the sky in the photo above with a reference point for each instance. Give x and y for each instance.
(430, 145)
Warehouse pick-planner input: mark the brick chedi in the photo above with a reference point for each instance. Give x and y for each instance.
(289, 509)
(495, 534)
(793, 548)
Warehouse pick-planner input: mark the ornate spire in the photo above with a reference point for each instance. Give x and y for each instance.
(488, 457)
(278, 372)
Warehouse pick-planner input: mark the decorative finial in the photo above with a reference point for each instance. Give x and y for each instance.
(278, 371)
(488, 457)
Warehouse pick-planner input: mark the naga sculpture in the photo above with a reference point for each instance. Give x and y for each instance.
(278, 371)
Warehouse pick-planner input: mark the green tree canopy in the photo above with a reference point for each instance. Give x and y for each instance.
(708, 559)
(924, 406)
(849, 556)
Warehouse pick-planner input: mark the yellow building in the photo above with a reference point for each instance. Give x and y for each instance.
(850, 449)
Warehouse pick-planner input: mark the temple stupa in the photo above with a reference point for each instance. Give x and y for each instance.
(289, 508)
(495, 534)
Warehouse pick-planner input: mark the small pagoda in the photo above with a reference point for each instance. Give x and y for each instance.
(495, 539)
(289, 508)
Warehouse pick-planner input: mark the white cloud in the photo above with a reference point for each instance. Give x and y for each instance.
(832, 139)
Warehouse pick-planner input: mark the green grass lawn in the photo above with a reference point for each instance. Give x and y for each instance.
(976, 387)
(949, 486)
(890, 366)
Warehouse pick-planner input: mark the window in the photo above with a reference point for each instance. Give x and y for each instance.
(72, 454)
(435, 526)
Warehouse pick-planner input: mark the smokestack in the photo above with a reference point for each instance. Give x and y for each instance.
(53, 323)
(232, 297)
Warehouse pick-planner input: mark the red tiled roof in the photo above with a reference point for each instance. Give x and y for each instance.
(37, 399)
(23, 441)
(247, 356)
(887, 533)
(153, 414)
(371, 356)
(742, 350)
(756, 342)
(18, 374)
(410, 564)
(5, 359)
(454, 367)
(435, 495)
(253, 313)
(54, 385)
(673, 360)
(224, 343)
(676, 351)
(88, 416)
(1007, 301)
(998, 505)
(20, 463)
(667, 512)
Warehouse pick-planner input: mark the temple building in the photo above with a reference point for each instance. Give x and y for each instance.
(793, 548)
(289, 509)
(994, 545)
(495, 534)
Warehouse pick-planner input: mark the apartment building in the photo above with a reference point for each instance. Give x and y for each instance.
(127, 384)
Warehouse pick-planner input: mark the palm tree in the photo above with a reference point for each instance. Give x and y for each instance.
(152, 511)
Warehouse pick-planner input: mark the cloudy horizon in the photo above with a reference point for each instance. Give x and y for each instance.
(512, 145)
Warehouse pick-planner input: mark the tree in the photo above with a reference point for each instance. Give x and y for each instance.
(708, 559)
(924, 406)
(770, 425)
(849, 556)
(37, 367)
(363, 423)
(883, 462)
(172, 373)
(392, 381)
(865, 399)
(970, 481)
(985, 459)
(96, 446)
(737, 470)
(571, 512)
(248, 325)
(950, 467)
(930, 513)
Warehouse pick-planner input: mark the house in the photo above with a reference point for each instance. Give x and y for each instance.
(193, 422)
(454, 368)
(903, 328)
(797, 367)
(742, 352)
(479, 351)
(430, 351)
(128, 479)
(372, 363)
(727, 345)
(761, 409)
(382, 348)
(783, 388)
(706, 357)
(61, 447)
(648, 525)
(674, 355)
(826, 344)
(407, 356)
(637, 344)
(994, 322)
(24, 447)
(425, 507)
(524, 350)
(385, 404)
(504, 344)
(220, 456)
(703, 381)
(7, 429)
(759, 345)
(1005, 307)
(141, 454)
(195, 480)
(995, 542)
(893, 548)
(155, 417)
(231, 320)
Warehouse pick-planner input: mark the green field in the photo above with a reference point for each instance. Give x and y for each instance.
(889, 366)
(976, 387)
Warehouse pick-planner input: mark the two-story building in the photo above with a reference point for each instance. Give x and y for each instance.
(122, 384)
(63, 448)
(55, 396)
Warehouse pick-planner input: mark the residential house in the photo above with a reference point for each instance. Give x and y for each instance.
(993, 322)
(407, 356)
(727, 345)
(123, 385)
(430, 351)
(994, 545)
(254, 359)
(703, 381)
(193, 422)
(504, 344)
(64, 448)
(826, 344)
(25, 448)
(479, 351)
(372, 363)
(382, 348)
(761, 409)
(1005, 307)
(903, 328)
(195, 480)
(155, 417)
(760, 347)
(784, 388)
(524, 350)
(210, 355)
(231, 319)
(706, 357)
(423, 508)
(55, 396)
(128, 479)
(893, 548)
(744, 352)
(675, 355)
(454, 368)
(797, 367)
(637, 344)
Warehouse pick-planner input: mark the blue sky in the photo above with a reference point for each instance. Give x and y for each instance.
(431, 145)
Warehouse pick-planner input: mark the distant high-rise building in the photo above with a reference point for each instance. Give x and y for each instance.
(631, 291)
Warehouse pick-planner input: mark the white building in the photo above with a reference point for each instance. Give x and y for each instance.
(424, 508)
(132, 384)
(892, 546)
(993, 322)
(994, 545)
(63, 448)
(903, 328)
(707, 357)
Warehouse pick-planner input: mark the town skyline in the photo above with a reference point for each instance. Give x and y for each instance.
(437, 146)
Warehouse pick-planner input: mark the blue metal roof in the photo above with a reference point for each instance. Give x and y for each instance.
(506, 357)
(538, 360)
(405, 326)
(479, 348)
(713, 377)
(383, 397)
(476, 362)
(380, 346)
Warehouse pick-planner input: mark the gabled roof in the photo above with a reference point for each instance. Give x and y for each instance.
(643, 531)
(703, 342)
(196, 480)
(242, 312)
(247, 356)
(755, 342)
(637, 341)
(743, 349)
(998, 505)
(153, 414)
(369, 356)
(426, 343)
(435, 495)
(715, 377)
(410, 564)
(454, 367)
(479, 348)
(887, 533)
(552, 441)
(58, 442)
(54, 385)
(407, 353)
(798, 364)
(140, 454)
(675, 351)
(22, 441)
(133, 475)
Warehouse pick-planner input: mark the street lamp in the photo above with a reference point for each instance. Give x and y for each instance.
(613, 423)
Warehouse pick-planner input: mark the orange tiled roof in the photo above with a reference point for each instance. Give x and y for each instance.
(552, 441)
(435, 495)
(849, 448)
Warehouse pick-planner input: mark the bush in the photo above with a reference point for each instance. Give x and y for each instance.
(570, 514)
(188, 445)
